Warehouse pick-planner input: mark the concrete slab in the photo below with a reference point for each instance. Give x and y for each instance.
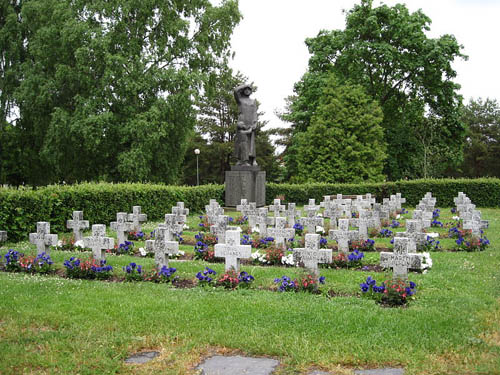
(142, 357)
(381, 371)
(220, 365)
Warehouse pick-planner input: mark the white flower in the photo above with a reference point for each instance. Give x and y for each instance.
(433, 235)
(185, 226)
(288, 260)
(398, 216)
(456, 217)
(426, 261)
(142, 252)
(79, 244)
(256, 230)
(59, 243)
(181, 253)
(320, 229)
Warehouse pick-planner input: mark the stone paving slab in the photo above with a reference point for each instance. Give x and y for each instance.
(220, 365)
(381, 371)
(142, 357)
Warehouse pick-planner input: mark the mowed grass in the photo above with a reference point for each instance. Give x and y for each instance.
(53, 325)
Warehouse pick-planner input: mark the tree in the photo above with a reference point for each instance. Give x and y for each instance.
(215, 131)
(344, 142)
(482, 148)
(385, 49)
(106, 89)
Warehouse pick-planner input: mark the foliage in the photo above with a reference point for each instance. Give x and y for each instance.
(106, 90)
(343, 260)
(482, 146)
(133, 272)
(344, 142)
(206, 277)
(306, 283)
(41, 264)
(362, 245)
(386, 50)
(163, 275)
(429, 244)
(87, 269)
(473, 243)
(390, 293)
(123, 248)
(232, 280)
(12, 260)
(204, 247)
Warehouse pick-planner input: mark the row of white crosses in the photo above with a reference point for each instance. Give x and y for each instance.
(470, 216)
(308, 257)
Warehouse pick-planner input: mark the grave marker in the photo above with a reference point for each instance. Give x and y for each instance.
(213, 210)
(311, 222)
(121, 226)
(172, 226)
(413, 233)
(263, 221)
(98, 241)
(162, 247)
(280, 233)
(475, 226)
(77, 224)
(232, 251)
(343, 235)
(311, 254)
(400, 260)
(3, 236)
(136, 218)
(291, 214)
(180, 213)
(277, 207)
(42, 238)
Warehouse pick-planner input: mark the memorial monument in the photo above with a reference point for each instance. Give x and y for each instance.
(245, 180)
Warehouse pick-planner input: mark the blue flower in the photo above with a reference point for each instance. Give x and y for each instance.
(322, 280)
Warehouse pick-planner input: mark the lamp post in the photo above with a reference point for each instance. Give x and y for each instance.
(197, 152)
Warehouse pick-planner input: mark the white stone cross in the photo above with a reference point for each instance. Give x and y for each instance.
(311, 222)
(248, 209)
(413, 233)
(3, 236)
(263, 221)
(77, 224)
(309, 256)
(474, 215)
(400, 260)
(291, 214)
(98, 241)
(343, 235)
(42, 238)
(213, 210)
(424, 216)
(180, 213)
(311, 209)
(461, 199)
(362, 225)
(277, 207)
(172, 226)
(475, 226)
(162, 247)
(220, 228)
(232, 251)
(280, 233)
(136, 218)
(121, 226)
(399, 200)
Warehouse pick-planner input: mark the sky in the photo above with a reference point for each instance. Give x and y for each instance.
(270, 50)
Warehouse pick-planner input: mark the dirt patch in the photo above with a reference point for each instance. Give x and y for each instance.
(183, 283)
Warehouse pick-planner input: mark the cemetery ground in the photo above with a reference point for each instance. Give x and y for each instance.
(54, 325)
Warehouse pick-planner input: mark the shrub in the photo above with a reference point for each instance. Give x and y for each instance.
(206, 277)
(12, 259)
(163, 275)
(42, 263)
(307, 283)
(133, 272)
(390, 293)
(87, 269)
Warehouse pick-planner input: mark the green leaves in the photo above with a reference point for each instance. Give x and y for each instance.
(106, 89)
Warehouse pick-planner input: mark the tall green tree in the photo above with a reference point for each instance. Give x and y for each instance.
(386, 50)
(216, 128)
(107, 89)
(482, 148)
(344, 142)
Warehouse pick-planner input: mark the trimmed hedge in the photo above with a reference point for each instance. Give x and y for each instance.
(484, 192)
(22, 208)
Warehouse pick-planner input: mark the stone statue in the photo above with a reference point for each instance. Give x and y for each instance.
(247, 124)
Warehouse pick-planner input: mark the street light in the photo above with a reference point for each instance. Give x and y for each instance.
(197, 152)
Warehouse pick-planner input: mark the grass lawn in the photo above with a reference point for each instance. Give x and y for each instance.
(54, 325)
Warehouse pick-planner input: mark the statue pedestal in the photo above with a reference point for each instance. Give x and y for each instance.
(245, 182)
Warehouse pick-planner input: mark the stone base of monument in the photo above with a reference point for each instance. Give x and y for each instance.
(245, 182)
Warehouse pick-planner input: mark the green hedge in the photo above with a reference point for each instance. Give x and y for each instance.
(20, 209)
(484, 192)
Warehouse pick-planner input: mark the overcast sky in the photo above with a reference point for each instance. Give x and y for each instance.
(269, 42)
